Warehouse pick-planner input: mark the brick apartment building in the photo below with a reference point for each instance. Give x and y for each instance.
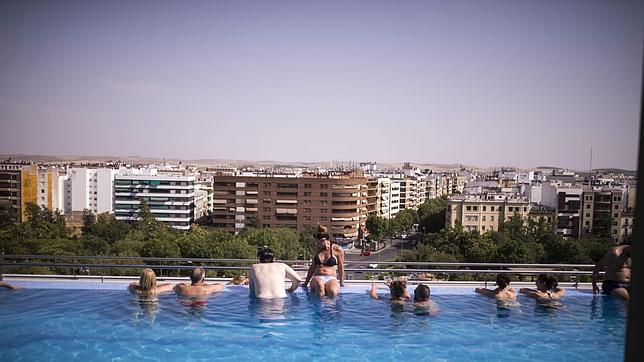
(337, 200)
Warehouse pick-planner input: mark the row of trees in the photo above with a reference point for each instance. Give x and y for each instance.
(45, 233)
(516, 241)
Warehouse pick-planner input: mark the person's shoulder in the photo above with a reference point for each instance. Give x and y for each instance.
(337, 247)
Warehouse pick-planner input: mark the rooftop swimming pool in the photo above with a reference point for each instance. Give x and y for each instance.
(107, 323)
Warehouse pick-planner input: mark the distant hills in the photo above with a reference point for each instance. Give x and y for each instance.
(135, 159)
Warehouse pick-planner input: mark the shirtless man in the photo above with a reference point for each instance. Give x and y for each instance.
(266, 278)
(617, 278)
(503, 292)
(197, 287)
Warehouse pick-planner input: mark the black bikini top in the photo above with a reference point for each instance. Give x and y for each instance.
(331, 261)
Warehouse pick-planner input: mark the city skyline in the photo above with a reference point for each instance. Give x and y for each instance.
(478, 83)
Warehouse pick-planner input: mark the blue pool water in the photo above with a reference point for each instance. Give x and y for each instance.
(66, 324)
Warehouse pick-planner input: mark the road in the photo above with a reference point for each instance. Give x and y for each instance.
(386, 254)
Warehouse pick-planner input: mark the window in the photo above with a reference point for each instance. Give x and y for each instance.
(307, 210)
(307, 186)
(324, 211)
(267, 193)
(482, 218)
(468, 208)
(616, 207)
(492, 218)
(266, 217)
(525, 209)
(484, 208)
(307, 194)
(483, 227)
(324, 218)
(324, 186)
(475, 208)
(324, 194)
(266, 209)
(588, 206)
(587, 223)
(307, 218)
(587, 214)
(306, 202)
(266, 184)
(491, 208)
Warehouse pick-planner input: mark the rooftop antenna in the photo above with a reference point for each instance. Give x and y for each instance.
(591, 160)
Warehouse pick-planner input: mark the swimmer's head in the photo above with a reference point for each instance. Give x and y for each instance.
(197, 275)
(421, 293)
(397, 289)
(502, 280)
(266, 255)
(148, 279)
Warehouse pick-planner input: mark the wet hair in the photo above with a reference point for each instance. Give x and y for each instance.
(148, 279)
(549, 281)
(397, 289)
(502, 280)
(321, 232)
(266, 255)
(239, 280)
(197, 274)
(421, 293)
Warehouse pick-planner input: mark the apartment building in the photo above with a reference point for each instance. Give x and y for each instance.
(23, 183)
(484, 212)
(89, 189)
(337, 200)
(566, 200)
(378, 190)
(602, 212)
(171, 198)
(394, 198)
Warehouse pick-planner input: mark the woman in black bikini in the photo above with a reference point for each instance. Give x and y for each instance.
(327, 261)
(546, 288)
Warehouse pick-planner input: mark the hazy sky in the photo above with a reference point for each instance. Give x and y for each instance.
(517, 83)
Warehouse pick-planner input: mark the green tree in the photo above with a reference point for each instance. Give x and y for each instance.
(42, 223)
(89, 219)
(376, 226)
(431, 216)
(8, 215)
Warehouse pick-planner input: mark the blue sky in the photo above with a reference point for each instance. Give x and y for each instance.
(493, 83)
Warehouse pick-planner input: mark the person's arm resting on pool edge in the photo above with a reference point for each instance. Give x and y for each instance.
(486, 292)
(165, 287)
(294, 277)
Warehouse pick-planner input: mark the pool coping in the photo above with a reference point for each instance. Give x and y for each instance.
(120, 283)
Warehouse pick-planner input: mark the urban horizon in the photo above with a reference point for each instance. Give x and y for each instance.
(213, 161)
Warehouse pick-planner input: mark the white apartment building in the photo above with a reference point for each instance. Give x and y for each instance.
(394, 198)
(171, 198)
(88, 189)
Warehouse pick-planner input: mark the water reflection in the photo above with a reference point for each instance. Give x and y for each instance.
(267, 310)
(148, 309)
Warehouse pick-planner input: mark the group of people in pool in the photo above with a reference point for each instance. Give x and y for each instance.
(326, 276)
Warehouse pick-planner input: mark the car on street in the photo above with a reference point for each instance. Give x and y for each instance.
(373, 266)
